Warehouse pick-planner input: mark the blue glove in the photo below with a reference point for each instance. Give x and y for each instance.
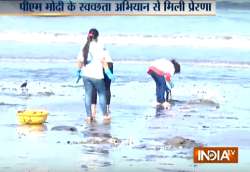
(170, 85)
(109, 74)
(78, 74)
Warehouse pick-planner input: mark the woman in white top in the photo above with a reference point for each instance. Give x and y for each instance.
(92, 61)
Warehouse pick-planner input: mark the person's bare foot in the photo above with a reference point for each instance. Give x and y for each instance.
(106, 118)
(93, 117)
(88, 119)
(166, 105)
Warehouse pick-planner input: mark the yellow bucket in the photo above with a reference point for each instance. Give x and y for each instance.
(32, 116)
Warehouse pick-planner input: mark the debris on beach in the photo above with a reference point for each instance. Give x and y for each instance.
(98, 140)
(64, 128)
(46, 93)
(10, 104)
(205, 102)
(181, 142)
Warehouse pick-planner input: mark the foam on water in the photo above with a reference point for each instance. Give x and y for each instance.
(198, 41)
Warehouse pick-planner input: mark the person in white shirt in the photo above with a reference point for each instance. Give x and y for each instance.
(90, 62)
(107, 82)
(161, 71)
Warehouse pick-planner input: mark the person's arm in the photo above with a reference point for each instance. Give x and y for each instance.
(85, 50)
(104, 63)
(169, 83)
(79, 64)
(107, 70)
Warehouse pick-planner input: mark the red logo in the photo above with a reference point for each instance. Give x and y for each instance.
(216, 155)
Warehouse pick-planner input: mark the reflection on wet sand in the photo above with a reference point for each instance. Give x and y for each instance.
(31, 129)
(97, 143)
(99, 134)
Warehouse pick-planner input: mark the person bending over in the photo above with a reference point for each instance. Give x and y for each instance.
(161, 71)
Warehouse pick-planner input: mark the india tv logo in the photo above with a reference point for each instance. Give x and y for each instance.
(216, 155)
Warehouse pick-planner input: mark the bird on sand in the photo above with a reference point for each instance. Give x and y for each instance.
(24, 85)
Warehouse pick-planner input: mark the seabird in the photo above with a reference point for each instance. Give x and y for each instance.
(24, 84)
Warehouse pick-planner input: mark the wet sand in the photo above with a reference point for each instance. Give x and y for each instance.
(140, 136)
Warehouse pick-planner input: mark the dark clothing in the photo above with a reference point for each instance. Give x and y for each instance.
(107, 83)
(161, 87)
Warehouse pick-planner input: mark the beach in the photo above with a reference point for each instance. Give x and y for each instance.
(141, 128)
(209, 99)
